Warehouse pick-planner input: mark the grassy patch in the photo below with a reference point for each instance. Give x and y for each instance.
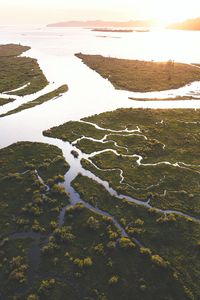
(49, 96)
(141, 76)
(176, 241)
(177, 98)
(31, 200)
(100, 267)
(4, 101)
(14, 266)
(167, 141)
(73, 130)
(17, 71)
(165, 136)
(25, 201)
(12, 50)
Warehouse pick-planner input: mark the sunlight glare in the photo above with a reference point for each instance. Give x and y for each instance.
(172, 11)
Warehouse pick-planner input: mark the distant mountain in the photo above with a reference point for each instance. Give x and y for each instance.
(192, 24)
(99, 23)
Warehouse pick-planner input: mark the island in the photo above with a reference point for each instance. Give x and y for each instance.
(21, 76)
(142, 76)
(4, 101)
(112, 30)
(38, 101)
(144, 174)
(103, 24)
(192, 24)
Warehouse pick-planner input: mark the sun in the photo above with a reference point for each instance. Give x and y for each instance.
(172, 11)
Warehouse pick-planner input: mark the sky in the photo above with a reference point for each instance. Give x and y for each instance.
(49, 11)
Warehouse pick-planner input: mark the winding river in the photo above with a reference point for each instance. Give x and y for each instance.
(89, 94)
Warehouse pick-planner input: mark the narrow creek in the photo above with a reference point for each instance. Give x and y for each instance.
(76, 168)
(88, 94)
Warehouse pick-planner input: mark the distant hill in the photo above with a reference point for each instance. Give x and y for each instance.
(99, 23)
(192, 24)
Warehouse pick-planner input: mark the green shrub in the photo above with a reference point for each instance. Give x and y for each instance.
(92, 223)
(159, 261)
(126, 243)
(81, 263)
(145, 251)
(46, 286)
(33, 297)
(99, 249)
(113, 280)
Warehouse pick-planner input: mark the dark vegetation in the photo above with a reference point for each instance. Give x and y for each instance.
(141, 76)
(44, 98)
(73, 130)
(30, 201)
(112, 30)
(23, 195)
(17, 71)
(170, 136)
(86, 258)
(168, 139)
(170, 242)
(92, 261)
(166, 99)
(4, 101)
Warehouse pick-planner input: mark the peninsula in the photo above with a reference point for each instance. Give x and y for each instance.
(191, 24)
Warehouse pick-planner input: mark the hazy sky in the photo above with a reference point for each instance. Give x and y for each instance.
(45, 11)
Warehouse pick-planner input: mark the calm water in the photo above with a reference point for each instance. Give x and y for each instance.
(88, 92)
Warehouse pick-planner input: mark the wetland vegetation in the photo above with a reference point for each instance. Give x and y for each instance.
(112, 30)
(30, 201)
(17, 71)
(141, 76)
(177, 98)
(4, 101)
(173, 238)
(148, 155)
(42, 99)
(84, 258)
(29, 177)
(153, 158)
(126, 224)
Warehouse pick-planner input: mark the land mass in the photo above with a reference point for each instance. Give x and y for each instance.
(22, 76)
(4, 101)
(146, 156)
(142, 76)
(177, 98)
(111, 30)
(119, 30)
(99, 23)
(44, 259)
(192, 24)
(135, 232)
(19, 71)
(44, 98)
